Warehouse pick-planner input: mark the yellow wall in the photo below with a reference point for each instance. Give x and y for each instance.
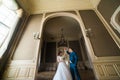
(95, 2)
(58, 5)
(40, 6)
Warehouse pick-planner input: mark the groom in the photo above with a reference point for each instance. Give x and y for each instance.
(73, 64)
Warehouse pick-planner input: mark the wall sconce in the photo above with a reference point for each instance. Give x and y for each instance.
(36, 35)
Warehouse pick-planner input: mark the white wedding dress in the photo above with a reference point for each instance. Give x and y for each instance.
(63, 71)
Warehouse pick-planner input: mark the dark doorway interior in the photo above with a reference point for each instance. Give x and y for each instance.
(50, 56)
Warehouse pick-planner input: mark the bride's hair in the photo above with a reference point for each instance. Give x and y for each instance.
(59, 53)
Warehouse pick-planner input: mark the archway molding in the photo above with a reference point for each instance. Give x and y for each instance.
(76, 17)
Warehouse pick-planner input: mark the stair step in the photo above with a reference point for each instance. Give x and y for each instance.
(48, 75)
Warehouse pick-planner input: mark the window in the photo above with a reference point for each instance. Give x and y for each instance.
(3, 33)
(8, 22)
(7, 16)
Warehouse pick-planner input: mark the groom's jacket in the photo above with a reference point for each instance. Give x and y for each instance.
(73, 58)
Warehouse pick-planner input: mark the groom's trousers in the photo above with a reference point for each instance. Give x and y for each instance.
(74, 72)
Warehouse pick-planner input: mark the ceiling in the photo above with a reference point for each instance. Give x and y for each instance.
(43, 6)
(71, 28)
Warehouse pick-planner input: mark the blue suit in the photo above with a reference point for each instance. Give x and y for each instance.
(73, 66)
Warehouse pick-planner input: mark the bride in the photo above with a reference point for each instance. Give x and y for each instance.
(63, 72)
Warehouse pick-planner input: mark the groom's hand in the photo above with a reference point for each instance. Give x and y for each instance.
(70, 61)
(65, 48)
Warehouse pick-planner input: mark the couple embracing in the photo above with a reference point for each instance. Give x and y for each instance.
(64, 72)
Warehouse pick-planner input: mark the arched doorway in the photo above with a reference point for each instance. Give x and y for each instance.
(52, 25)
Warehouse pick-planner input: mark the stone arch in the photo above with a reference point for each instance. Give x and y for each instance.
(76, 17)
(63, 14)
